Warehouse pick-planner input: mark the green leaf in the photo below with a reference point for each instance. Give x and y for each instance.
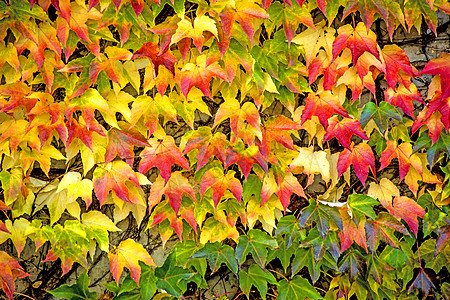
(322, 215)
(283, 254)
(361, 205)
(380, 114)
(218, 254)
(147, 281)
(172, 278)
(257, 277)
(298, 288)
(304, 257)
(290, 228)
(77, 291)
(255, 242)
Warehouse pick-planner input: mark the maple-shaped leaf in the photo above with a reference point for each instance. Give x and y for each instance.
(440, 66)
(277, 128)
(76, 291)
(174, 189)
(110, 64)
(283, 185)
(323, 105)
(322, 215)
(79, 16)
(208, 144)
(304, 257)
(200, 75)
(383, 191)
(297, 288)
(382, 229)
(380, 114)
(289, 17)
(219, 182)
(391, 12)
(343, 130)
(128, 254)
(255, 242)
(255, 276)
(361, 205)
(122, 142)
(10, 270)
(235, 55)
(433, 123)
(362, 159)
(239, 117)
(162, 154)
(312, 40)
(352, 232)
(245, 157)
(313, 162)
(187, 30)
(244, 12)
(407, 209)
(150, 108)
(355, 82)
(416, 10)
(123, 20)
(403, 97)
(97, 226)
(114, 177)
(187, 107)
(423, 280)
(151, 50)
(402, 152)
(289, 227)
(397, 67)
(358, 40)
(218, 254)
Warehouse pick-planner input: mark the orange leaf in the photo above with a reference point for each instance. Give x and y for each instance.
(10, 270)
(362, 159)
(323, 105)
(351, 232)
(407, 209)
(128, 254)
(343, 130)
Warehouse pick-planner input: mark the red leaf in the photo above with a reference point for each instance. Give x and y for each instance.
(440, 66)
(407, 209)
(323, 105)
(396, 65)
(162, 154)
(401, 152)
(352, 233)
(358, 40)
(277, 128)
(10, 270)
(403, 98)
(433, 123)
(207, 145)
(219, 183)
(362, 159)
(151, 50)
(245, 157)
(343, 130)
(174, 189)
(200, 75)
(244, 13)
(283, 185)
(122, 142)
(113, 177)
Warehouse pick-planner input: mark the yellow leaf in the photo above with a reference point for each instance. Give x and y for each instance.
(383, 191)
(313, 162)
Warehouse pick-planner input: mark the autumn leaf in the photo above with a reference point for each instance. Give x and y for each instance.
(122, 142)
(383, 191)
(151, 50)
(162, 154)
(278, 129)
(402, 152)
(208, 144)
(114, 177)
(313, 162)
(397, 67)
(362, 159)
(323, 105)
(422, 280)
(380, 114)
(433, 123)
(358, 40)
(343, 130)
(403, 98)
(382, 229)
(356, 83)
(10, 271)
(244, 12)
(219, 182)
(440, 66)
(283, 185)
(407, 209)
(173, 189)
(352, 232)
(200, 75)
(416, 10)
(324, 216)
(187, 30)
(245, 158)
(128, 254)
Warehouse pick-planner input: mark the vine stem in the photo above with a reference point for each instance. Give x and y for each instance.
(23, 295)
(279, 274)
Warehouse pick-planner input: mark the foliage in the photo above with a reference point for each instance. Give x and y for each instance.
(217, 121)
